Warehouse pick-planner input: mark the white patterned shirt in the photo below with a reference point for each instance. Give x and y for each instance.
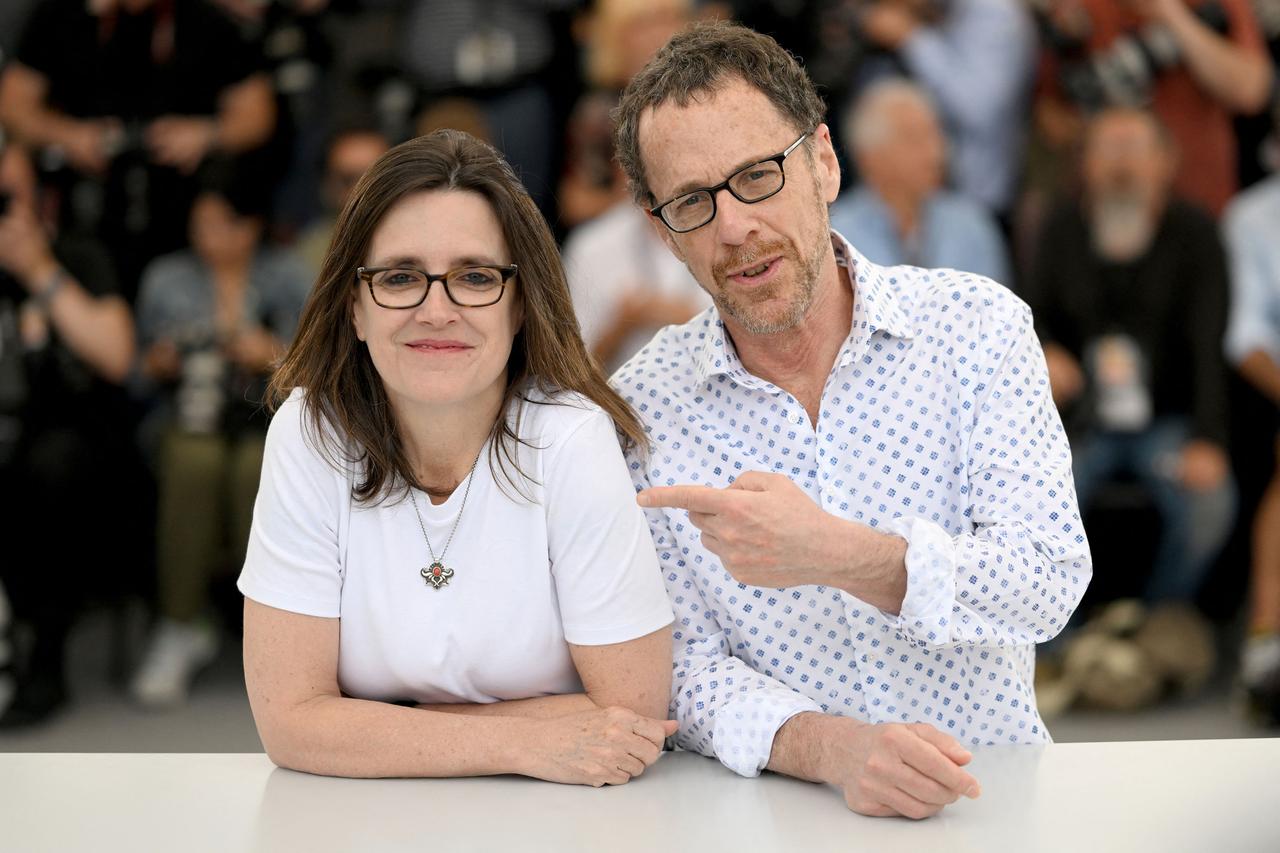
(936, 424)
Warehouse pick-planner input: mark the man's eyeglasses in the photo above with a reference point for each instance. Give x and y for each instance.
(407, 287)
(754, 183)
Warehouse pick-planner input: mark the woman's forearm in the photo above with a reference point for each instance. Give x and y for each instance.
(338, 736)
(542, 707)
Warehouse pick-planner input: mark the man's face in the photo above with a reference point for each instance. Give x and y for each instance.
(1124, 155)
(350, 157)
(1127, 173)
(762, 263)
(910, 159)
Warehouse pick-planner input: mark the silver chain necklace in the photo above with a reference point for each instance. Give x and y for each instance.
(437, 574)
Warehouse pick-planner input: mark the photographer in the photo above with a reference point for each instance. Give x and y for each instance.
(975, 59)
(1130, 297)
(212, 321)
(66, 342)
(127, 98)
(1193, 62)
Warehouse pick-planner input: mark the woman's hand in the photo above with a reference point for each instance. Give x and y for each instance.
(608, 746)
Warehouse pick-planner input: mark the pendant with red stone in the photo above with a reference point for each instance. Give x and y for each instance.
(436, 575)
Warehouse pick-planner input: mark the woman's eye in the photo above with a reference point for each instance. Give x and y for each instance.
(399, 279)
(478, 278)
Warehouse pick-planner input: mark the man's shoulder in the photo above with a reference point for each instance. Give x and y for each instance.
(670, 357)
(1256, 208)
(941, 297)
(171, 277)
(960, 210)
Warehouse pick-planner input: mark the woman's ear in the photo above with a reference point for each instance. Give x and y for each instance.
(518, 320)
(356, 317)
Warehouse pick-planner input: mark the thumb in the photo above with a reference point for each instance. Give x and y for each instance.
(669, 727)
(752, 481)
(945, 744)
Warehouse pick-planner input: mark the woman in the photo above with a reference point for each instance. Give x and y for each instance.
(445, 520)
(211, 321)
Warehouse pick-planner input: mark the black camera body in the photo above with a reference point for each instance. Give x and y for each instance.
(1124, 73)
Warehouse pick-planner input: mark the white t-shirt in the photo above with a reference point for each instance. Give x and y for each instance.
(577, 566)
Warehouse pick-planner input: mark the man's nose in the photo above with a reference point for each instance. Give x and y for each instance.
(735, 220)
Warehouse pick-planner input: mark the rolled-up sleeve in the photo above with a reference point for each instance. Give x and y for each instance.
(1019, 573)
(724, 707)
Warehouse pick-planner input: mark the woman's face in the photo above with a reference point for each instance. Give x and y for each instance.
(439, 354)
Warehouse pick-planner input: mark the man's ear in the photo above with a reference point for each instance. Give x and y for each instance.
(826, 164)
(666, 234)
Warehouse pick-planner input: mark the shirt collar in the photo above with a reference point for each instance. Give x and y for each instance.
(876, 302)
(876, 308)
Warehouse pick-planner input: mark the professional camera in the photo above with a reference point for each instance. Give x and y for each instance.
(1123, 73)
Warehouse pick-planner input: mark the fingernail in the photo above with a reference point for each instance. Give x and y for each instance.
(974, 792)
(642, 499)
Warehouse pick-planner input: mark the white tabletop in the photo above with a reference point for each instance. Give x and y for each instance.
(1220, 796)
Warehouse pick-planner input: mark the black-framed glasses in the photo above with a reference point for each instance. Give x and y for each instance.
(407, 287)
(755, 183)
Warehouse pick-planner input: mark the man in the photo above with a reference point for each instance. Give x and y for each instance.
(890, 524)
(135, 95)
(350, 153)
(625, 284)
(901, 214)
(1130, 291)
(1253, 345)
(976, 59)
(66, 346)
(1195, 62)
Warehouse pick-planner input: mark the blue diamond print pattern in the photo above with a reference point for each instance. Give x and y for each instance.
(936, 424)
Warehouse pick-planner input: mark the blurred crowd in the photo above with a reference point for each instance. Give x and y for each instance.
(170, 171)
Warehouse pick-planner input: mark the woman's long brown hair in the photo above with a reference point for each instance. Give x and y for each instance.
(343, 387)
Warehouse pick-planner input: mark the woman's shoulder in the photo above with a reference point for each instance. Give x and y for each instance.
(301, 432)
(550, 410)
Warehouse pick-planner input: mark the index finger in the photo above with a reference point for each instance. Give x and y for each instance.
(926, 757)
(706, 499)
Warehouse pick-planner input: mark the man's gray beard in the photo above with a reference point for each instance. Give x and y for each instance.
(1122, 226)
(795, 313)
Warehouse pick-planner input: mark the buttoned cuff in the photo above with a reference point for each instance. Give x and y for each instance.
(746, 725)
(927, 607)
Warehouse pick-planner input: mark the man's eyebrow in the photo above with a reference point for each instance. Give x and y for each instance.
(690, 186)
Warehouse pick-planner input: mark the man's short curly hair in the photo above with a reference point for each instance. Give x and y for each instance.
(700, 60)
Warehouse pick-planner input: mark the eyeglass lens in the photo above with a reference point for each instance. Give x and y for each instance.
(405, 288)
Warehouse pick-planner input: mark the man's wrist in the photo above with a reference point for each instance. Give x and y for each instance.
(867, 563)
(44, 281)
(40, 273)
(804, 746)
